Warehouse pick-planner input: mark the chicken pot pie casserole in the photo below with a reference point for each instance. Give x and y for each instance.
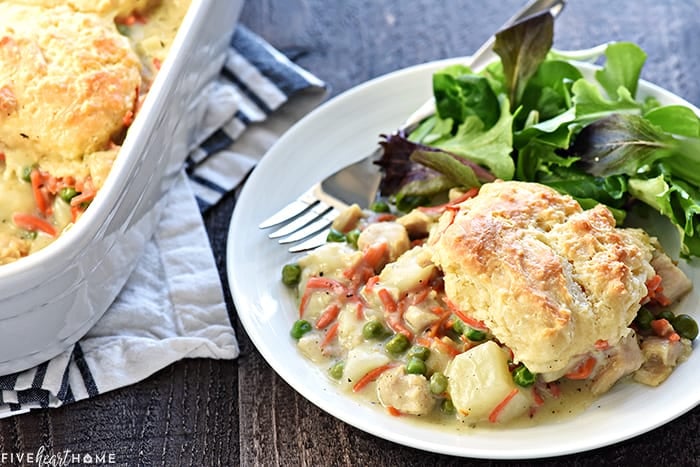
(507, 303)
(72, 77)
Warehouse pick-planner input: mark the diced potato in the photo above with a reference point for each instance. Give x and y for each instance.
(349, 327)
(310, 346)
(479, 380)
(329, 260)
(418, 319)
(410, 271)
(361, 360)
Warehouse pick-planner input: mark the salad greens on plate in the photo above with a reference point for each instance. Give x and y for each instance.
(533, 116)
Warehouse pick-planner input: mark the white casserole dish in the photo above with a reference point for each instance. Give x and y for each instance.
(51, 298)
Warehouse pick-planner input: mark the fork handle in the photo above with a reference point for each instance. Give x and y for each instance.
(485, 54)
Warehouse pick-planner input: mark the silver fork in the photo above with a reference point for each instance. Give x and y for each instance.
(307, 219)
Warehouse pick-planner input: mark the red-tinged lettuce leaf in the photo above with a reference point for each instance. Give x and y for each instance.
(408, 164)
(522, 47)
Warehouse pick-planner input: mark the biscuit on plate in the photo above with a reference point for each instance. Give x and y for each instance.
(546, 277)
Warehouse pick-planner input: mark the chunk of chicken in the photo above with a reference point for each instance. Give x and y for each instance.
(417, 223)
(675, 283)
(347, 219)
(407, 393)
(660, 357)
(391, 233)
(619, 361)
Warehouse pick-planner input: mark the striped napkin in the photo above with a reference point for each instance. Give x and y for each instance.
(172, 306)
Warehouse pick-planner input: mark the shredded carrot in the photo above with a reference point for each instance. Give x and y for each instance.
(328, 316)
(554, 389)
(493, 416)
(387, 300)
(371, 282)
(41, 195)
(674, 337)
(393, 411)
(424, 341)
(157, 63)
(130, 20)
(475, 323)
(584, 370)
(33, 223)
(397, 325)
(384, 217)
(2, 157)
(661, 327)
(330, 334)
(539, 401)
(360, 310)
(472, 192)
(370, 376)
(435, 327)
(375, 254)
(128, 118)
(601, 344)
(87, 192)
(451, 350)
(319, 283)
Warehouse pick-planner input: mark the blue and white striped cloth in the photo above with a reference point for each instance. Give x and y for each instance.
(166, 312)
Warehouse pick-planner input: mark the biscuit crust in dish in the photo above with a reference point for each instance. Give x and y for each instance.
(102, 7)
(546, 277)
(67, 82)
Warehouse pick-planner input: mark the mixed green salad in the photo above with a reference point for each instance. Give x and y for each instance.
(533, 116)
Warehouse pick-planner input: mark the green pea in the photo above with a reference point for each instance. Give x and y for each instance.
(458, 326)
(408, 203)
(123, 29)
(685, 326)
(352, 236)
(336, 371)
(475, 335)
(667, 315)
(67, 193)
(419, 351)
(397, 344)
(373, 330)
(523, 377)
(27, 173)
(291, 273)
(447, 406)
(335, 236)
(644, 318)
(438, 383)
(299, 328)
(380, 206)
(416, 366)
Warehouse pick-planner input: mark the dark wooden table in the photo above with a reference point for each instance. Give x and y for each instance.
(204, 412)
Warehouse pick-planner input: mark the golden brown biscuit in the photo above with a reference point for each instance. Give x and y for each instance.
(548, 278)
(102, 7)
(67, 82)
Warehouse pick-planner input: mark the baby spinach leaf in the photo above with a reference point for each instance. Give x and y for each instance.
(489, 148)
(676, 119)
(623, 65)
(460, 94)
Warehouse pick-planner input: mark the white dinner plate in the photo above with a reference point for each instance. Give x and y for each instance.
(344, 130)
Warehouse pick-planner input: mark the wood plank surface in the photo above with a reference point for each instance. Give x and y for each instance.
(204, 412)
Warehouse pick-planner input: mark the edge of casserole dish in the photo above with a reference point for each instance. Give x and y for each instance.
(51, 298)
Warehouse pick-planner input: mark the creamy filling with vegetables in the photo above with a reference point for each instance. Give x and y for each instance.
(46, 188)
(374, 315)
